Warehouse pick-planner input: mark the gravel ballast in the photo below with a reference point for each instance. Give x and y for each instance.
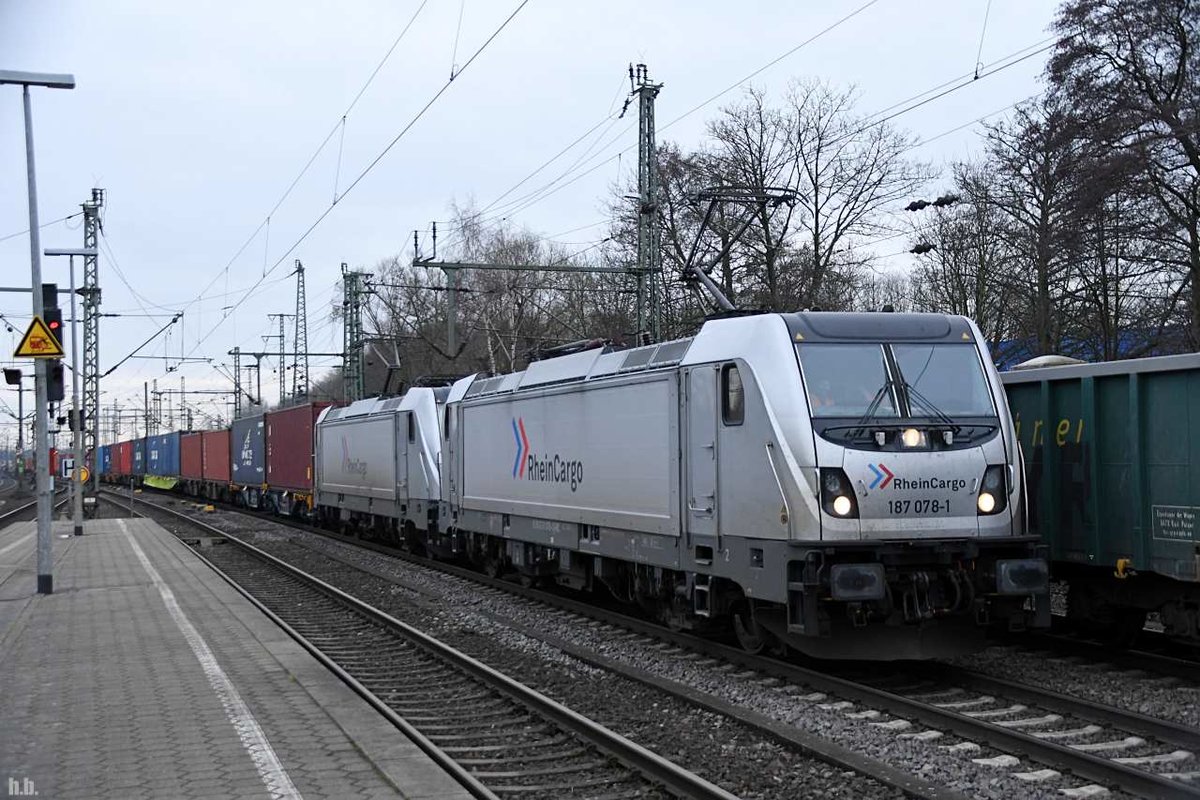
(486, 623)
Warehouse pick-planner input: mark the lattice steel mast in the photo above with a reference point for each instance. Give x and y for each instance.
(353, 341)
(92, 227)
(300, 340)
(649, 253)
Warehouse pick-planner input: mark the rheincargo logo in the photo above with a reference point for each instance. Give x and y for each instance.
(527, 465)
(352, 466)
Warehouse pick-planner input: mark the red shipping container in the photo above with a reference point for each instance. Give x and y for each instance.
(216, 456)
(191, 456)
(122, 459)
(289, 442)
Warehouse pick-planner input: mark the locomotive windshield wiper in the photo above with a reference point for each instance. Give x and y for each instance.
(934, 411)
(876, 401)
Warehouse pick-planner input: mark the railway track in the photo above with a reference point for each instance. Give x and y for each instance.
(1064, 735)
(497, 736)
(1161, 657)
(24, 508)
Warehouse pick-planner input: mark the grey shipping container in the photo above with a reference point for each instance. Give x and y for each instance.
(162, 455)
(246, 450)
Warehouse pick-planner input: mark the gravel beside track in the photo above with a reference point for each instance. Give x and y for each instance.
(1162, 696)
(496, 620)
(739, 759)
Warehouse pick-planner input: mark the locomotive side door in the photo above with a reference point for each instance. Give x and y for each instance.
(700, 452)
(404, 429)
(451, 459)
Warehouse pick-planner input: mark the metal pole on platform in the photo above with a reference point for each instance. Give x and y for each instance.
(21, 435)
(77, 412)
(45, 488)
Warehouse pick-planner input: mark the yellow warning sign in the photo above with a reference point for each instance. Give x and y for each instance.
(84, 474)
(38, 342)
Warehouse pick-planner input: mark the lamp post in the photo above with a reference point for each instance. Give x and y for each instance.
(45, 489)
(77, 412)
(15, 377)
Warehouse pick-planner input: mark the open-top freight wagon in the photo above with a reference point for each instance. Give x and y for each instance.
(1112, 459)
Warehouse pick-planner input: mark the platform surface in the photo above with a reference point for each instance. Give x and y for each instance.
(145, 675)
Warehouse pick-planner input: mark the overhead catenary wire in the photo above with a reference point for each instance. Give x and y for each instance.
(41, 226)
(224, 271)
(877, 118)
(979, 53)
(686, 114)
(374, 162)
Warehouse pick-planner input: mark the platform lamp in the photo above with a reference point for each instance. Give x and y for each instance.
(45, 489)
(14, 377)
(76, 412)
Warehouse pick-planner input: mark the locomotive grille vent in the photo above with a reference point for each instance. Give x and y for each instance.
(670, 353)
(392, 404)
(638, 359)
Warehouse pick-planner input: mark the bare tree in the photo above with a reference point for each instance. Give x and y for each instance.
(847, 171)
(1039, 166)
(970, 271)
(1131, 68)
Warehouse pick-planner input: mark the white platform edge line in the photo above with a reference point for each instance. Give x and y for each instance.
(270, 769)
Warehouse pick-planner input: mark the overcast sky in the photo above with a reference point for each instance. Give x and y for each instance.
(196, 116)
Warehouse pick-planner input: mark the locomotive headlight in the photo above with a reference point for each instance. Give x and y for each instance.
(912, 437)
(992, 497)
(837, 494)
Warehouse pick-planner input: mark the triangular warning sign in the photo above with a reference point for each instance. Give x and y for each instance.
(39, 342)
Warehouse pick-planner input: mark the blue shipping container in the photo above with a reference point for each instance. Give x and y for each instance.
(162, 455)
(139, 456)
(246, 450)
(105, 459)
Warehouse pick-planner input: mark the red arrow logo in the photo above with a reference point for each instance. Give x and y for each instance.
(524, 444)
(889, 477)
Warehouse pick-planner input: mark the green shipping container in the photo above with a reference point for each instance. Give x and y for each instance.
(1112, 459)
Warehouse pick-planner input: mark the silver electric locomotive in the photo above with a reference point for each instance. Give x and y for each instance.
(848, 485)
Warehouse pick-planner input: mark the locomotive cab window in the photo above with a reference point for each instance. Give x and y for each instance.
(733, 396)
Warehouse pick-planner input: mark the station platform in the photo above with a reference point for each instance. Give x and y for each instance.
(146, 675)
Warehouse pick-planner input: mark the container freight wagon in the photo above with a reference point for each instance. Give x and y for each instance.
(289, 442)
(139, 457)
(104, 460)
(215, 445)
(1112, 456)
(248, 460)
(162, 460)
(191, 459)
(121, 459)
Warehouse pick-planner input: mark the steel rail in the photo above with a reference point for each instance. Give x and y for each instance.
(673, 777)
(1160, 663)
(810, 744)
(1061, 757)
(8, 517)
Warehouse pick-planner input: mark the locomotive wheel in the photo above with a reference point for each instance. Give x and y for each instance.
(492, 567)
(751, 636)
